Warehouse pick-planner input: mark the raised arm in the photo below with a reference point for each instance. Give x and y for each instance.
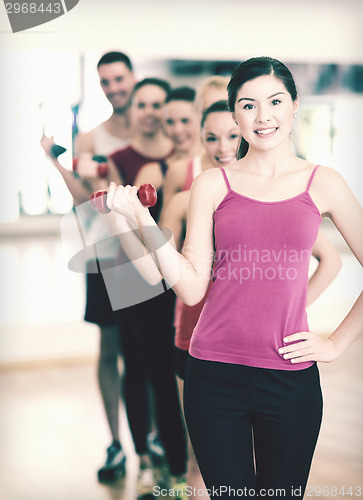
(188, 274)
(132, 243)
(130, 236)
(76, 187)
(328, 267)
(128, 232)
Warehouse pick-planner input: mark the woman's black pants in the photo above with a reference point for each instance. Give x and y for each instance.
(253, 430)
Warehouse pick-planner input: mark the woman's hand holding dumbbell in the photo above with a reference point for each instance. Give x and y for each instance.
(125, 200)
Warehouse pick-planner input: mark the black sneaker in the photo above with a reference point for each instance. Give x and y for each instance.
(115, 466)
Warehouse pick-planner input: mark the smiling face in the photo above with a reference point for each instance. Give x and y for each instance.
(117, 82)
(147, 108)
(264, 112)
(181, 124)
(220, 137)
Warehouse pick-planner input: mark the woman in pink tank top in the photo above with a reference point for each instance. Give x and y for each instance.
(253, 401)
(220, 137)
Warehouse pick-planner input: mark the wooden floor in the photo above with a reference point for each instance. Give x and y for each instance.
(53, 434)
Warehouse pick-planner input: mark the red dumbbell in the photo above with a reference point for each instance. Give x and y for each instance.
(146, 193)
(102, 168)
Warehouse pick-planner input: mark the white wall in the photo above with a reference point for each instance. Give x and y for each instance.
(294, 30)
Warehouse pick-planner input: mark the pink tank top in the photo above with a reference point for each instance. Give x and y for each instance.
(259, 293)
(194, 168)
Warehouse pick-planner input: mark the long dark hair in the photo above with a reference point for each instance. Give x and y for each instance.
(251, 69)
